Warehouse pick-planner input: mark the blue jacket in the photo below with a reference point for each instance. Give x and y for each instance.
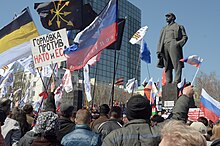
(81, 136)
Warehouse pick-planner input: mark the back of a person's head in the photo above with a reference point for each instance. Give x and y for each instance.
(5, 105)
(104, 109)
(203, 120)
(179, 134)
(20, 116)
(83, 116)
(66, 110)
(115, 112)
(138, 107)
(28, 109)
(215, 132)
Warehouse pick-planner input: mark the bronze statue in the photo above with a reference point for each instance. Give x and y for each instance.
(172, 38)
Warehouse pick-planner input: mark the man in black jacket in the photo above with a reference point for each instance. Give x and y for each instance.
(66, 120)
(114, 122)
(138, 130)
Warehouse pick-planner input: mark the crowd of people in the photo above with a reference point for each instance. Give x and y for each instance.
(136, 126)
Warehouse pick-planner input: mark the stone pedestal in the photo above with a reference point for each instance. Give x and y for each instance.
(169, 94)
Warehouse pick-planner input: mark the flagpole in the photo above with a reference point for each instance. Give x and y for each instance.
(113, 79)
(148, 72)
(94, 87)
(45, 88)
(195, 75)
(135, 75)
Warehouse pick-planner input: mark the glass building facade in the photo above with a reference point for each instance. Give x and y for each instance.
(128, 63)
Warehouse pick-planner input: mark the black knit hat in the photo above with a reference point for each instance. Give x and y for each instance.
(138, 107)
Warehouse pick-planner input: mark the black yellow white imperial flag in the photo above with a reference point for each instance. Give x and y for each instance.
(15, 37)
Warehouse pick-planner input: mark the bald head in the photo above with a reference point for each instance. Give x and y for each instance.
(83, 116)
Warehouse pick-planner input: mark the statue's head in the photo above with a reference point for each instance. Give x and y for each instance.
(170, 17)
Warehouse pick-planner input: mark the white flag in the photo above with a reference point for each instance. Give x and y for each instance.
(47, 71)
(67, 81)
(138, 35)
(28, 64)
(132, 85)
(58, 95)
(87, 85)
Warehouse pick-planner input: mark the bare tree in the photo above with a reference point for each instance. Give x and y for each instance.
(210, 83)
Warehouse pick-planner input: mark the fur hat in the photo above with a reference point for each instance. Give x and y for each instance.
(138, 107)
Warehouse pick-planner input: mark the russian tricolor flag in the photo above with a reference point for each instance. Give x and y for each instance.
(151, 91)
(101, 33)
(194, 60)
(210, 106)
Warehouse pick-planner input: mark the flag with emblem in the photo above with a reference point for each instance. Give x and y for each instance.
(138, 36)
(71, 14)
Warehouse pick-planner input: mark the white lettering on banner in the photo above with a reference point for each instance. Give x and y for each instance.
(47, 49)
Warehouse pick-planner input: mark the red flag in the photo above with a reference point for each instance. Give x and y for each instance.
(44, 94)
(163, 77)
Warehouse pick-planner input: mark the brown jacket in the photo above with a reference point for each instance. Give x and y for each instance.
(100, 120)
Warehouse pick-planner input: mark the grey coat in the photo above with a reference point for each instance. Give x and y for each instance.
(180, 39)
(139, 132)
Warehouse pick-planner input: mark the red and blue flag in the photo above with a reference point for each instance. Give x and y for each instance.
(101, 33)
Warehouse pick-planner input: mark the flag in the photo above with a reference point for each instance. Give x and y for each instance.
(70, 14)
(145, 52)
(139, 35)
(193, 60)
(5, 67)
(209, 106)
(87, 85)
(119, 81)
(47, 71)
(28, 64)
(132, 85)
(94, 59)
(163, 80)
(144, 83)
(181, 85)
(117, 44)
(58, 93)
(151, 91)
(88, 15)
(15, 37)
(94, 38)
(67, 81)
